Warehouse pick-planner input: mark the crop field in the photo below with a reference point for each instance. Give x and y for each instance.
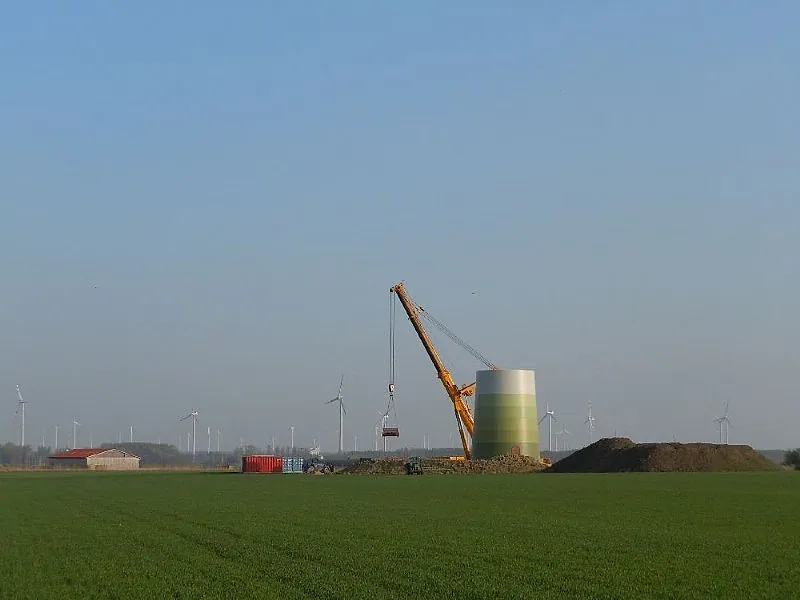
(202, 535)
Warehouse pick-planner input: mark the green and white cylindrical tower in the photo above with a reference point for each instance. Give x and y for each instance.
(505, 414)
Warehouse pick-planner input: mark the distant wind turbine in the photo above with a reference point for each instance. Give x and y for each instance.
(550, 415)
(193, 416)
(563, 435)
(723, 421)
(590, 423)
(21, 409)
(342, 412)
(75, 426)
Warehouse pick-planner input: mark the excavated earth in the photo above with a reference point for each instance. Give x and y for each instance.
(508, 463)
(619, 455)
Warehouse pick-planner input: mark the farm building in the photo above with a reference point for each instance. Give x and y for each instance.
(107, 459)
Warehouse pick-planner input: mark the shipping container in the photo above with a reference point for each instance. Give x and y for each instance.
(292, 464)
(262, 463)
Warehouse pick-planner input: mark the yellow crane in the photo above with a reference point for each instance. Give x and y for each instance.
(457, 394)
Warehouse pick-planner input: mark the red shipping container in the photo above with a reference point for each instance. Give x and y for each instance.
(262, 463)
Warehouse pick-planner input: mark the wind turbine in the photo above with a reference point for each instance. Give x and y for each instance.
(75, 426)
(192, 415)
(590, 423)
(209, 439)
(384, 421)
(726, 421)
(291, 430)
(342, 412)
(381, 425)
(550, 415)
(21, 409)
(563, 434)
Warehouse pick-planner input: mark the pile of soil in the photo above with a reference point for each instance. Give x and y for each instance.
(508, 463)
(379, 466)
(619, 455)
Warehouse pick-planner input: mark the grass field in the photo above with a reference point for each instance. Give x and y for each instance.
(196, 535)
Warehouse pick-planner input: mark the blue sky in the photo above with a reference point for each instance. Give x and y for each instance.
(616, 182)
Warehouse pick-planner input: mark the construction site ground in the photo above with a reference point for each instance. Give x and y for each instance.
(608, 455)
(509, 463)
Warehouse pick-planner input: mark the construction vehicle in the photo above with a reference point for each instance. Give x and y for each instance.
(457, 394)
(413, 466)
(318, 468)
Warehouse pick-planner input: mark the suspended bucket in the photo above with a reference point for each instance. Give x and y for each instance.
(391, 432)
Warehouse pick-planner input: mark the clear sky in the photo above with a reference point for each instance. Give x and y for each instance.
(617, 182)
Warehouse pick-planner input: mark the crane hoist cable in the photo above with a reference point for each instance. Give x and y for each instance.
(390, 406)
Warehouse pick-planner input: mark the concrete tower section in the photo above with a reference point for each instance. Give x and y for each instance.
(506, 421)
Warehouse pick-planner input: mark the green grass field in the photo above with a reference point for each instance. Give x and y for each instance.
(196, 535)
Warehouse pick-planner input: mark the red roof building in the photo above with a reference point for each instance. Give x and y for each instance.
(78, 453)
(108, 459)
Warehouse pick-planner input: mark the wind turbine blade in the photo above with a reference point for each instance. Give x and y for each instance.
(341, 383)
(542, 419)
(344, 410)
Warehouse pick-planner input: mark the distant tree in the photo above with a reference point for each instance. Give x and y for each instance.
(792, 458)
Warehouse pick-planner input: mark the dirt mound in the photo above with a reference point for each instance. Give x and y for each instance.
(619, 455)
(508, 463)
(378, 466)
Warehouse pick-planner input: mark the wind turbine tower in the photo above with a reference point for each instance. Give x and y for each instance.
(590, 423)
(209, 439)
(291, 430)
(21, 409)
(550, 415)
(75, 426)
(193, 416)
(342, 412)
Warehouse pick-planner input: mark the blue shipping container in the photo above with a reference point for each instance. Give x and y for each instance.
(292, 464)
